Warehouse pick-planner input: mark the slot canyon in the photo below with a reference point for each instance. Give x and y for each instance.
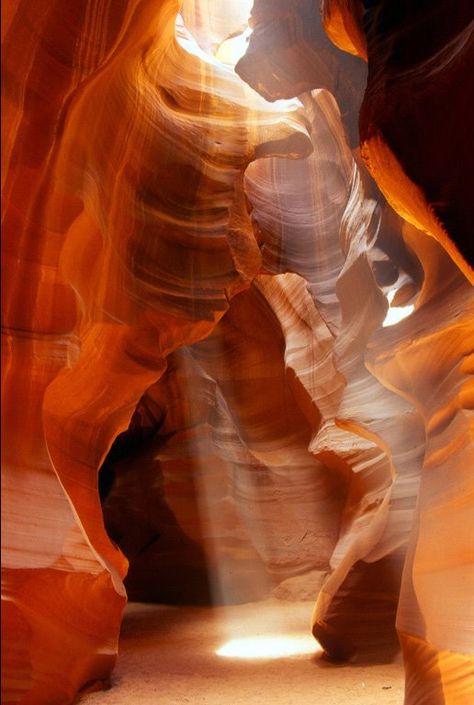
(237, 352)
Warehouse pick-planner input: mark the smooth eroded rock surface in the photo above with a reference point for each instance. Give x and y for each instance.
(205, 391)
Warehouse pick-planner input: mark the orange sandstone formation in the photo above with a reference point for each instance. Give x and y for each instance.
(415, 118)
(419, 66)
(196, 285)
(111, 264)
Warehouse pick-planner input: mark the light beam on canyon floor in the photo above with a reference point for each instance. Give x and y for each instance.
(264, 647)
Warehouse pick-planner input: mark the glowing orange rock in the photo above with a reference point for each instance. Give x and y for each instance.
(103, 253)
(224, 414)
(165, 225)
(418, 72)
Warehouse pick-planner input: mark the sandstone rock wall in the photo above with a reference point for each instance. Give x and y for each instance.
(195, 292)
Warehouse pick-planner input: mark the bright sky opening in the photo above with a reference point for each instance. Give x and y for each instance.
(395, 314)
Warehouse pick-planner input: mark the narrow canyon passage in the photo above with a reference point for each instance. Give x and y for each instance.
(168, 656)
(237, 352)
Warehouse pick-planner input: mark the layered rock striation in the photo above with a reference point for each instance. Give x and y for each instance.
(200, 383)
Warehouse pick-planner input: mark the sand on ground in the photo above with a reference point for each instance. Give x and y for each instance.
(168, 657)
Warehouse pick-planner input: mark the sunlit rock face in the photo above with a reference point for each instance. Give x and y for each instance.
(434, 371)
(419, 59)
(290, 54)
(111, 264)
(418, 93)
(202, 375)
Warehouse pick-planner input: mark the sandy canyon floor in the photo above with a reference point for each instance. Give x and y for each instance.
(168, 657)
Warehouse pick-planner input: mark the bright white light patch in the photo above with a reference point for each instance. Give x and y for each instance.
(396, 314)
(269, 647)
(231, 50)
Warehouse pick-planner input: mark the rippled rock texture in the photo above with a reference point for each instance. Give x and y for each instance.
(200, 383)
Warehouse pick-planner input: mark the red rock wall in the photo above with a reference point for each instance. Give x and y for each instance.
(194, 292)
